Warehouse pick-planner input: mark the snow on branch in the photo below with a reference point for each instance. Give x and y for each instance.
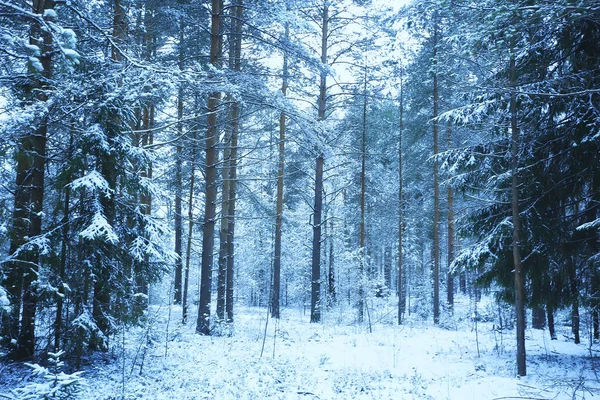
(93, 182)
(99, 228)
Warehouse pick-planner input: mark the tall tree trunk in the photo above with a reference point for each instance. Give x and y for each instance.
(279, 202)
(222, 274)
(315, 298)
(450, 198)
(315, 312)
(400, 283)
(231, 213)
(208, 229)
(28, 205)
(363, 170)
(179, 178)
(519, 278)
(436, 187)
(235, 62)
(188, 251)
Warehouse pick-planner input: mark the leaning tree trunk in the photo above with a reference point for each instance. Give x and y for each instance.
(519, 278)
(208, 230)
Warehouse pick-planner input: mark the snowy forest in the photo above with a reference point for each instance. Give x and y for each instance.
(299, 199)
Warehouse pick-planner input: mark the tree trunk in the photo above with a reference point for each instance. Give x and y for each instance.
(575, 321)
(188, 251)
(519, 279)
(235, 123)
(538, 318)
(28, 205)
(315, 298)
(463, 282)
(179, 179)
(315, 310)
(208, 229)
(595, 324)
(58, 321)
(550, 313)
(222, 274)
(363, 170)
(436, 188)
(573, 284)
(450, 196)
(387, 266)
(400, 283)
(145, 197)
(331, 276)
(279, 202)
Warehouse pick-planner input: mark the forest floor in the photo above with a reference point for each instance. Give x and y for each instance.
(339, 359)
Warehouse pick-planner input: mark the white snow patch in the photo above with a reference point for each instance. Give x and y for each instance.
(339, 360)
(50, 13)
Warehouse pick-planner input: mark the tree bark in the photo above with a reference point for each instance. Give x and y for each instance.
(145, 197)
(58, 321)
(331, 276)
(400, 283)
(179, 179)
(519, 279)
(436, 187)
(30, 157)
(573, 284)
(550, 314)
(363, 170)
(450, 198)
(538, 318)
(208, 229)
(315, 298)
(315, 311)
(235, 123)
(279, 202)
(188, 251)
(222, 274)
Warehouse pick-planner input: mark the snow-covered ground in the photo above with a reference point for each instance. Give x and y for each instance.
(338, 359)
